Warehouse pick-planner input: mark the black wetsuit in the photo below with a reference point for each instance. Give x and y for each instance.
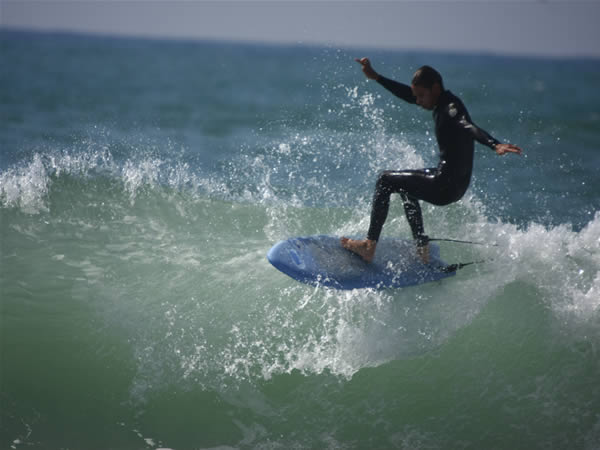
(455, 133)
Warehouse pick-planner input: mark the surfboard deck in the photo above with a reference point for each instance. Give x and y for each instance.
(322, 261)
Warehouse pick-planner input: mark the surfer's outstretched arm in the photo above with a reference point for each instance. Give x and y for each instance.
(400, 90)
(483, 137)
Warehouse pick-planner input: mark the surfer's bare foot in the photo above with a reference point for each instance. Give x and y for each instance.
(364, 248)
(423, 253)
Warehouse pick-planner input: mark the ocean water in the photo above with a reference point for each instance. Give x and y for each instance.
(142, 183)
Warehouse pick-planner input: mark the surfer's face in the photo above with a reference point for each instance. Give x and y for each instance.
(426, 98)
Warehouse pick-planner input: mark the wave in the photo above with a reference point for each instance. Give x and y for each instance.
(168, 246)
(176, 262)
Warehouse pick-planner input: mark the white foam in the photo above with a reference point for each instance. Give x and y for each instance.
(25, 187)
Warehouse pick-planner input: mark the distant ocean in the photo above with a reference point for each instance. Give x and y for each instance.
(142, 183)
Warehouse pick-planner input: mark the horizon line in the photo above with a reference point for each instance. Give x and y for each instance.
(297, 43)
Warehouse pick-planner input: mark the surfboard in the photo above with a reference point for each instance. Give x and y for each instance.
(322, 261)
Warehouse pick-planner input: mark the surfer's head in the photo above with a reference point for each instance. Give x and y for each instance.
(427, 85)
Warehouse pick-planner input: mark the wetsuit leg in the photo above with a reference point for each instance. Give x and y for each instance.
(412, 209)
(412, 185)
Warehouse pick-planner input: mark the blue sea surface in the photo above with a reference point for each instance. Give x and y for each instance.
(142, 183)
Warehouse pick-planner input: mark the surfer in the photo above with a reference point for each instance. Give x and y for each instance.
(455, 133)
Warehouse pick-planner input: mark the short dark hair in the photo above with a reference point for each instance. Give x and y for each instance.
(426, 77)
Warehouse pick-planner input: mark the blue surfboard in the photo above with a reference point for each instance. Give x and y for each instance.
(322, 261)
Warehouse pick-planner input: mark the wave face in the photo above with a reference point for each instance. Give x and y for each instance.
(140, 189)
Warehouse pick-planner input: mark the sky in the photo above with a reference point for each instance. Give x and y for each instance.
(549, 28)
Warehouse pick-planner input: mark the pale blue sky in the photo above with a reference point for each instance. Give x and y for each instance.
(548, 28)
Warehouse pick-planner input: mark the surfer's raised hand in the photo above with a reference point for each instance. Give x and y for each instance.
(502, 149)
(367, 69)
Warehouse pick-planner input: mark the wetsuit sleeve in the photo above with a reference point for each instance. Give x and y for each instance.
(480, 135)
(398, 89)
